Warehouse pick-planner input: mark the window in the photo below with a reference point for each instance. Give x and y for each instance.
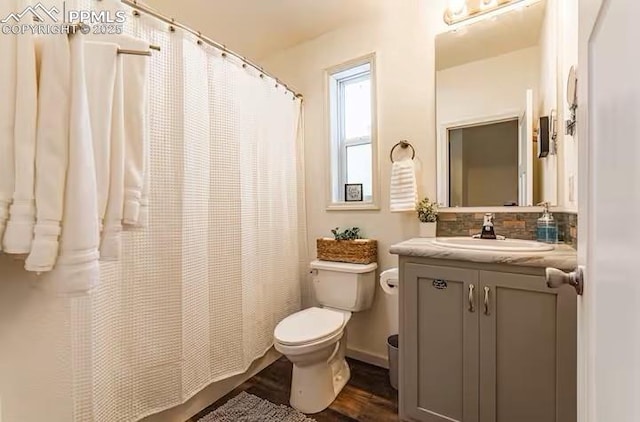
(352, 121)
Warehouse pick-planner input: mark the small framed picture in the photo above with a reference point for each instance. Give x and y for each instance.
(353, 192)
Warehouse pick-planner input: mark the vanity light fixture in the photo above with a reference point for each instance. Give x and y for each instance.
(457, 8)
(488, 4)
(468, 11)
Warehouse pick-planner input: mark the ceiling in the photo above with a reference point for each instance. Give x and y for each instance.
(258, 28)
(514, 30)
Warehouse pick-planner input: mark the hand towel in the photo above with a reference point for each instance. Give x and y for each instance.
(8, 47)
(77, 268)
(52, 144)
(100, 74)
(404, 187)
(22, 213)
(110, 245)
(136, 93)
(136, 79)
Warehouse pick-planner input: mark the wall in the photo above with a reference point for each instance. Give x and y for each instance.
(559, 44)
(568, 57)
(547, 177)
(490, 87)
(403, 40)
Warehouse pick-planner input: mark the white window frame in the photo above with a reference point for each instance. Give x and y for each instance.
(338, 144)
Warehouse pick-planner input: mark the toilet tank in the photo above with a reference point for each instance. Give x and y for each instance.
(349, 287)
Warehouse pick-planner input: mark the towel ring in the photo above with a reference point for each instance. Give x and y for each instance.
(403, 145)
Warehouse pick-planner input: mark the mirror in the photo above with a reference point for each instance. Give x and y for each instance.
(572, 88)
(496, 83)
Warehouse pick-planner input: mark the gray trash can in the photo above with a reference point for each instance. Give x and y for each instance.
(392, 347)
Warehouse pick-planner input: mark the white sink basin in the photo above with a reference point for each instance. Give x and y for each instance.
(507, 245)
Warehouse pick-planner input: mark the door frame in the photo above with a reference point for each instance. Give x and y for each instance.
(442, 163)
(589, 13)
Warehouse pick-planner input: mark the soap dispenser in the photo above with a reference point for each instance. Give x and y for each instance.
(547, 230)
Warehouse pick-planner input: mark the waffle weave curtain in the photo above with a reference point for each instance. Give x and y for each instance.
(196, 295)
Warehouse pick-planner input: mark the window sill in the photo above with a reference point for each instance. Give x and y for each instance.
(350, 206)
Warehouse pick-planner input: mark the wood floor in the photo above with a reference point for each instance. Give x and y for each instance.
(367, 397)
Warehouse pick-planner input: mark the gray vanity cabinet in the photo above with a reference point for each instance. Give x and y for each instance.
(439, 344)
(479, 344)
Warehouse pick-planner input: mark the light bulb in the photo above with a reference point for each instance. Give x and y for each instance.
(488, 4)
(457, 7)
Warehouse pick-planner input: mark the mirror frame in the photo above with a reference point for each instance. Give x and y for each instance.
(442, 150)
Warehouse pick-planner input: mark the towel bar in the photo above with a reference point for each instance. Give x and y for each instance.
(85, 29)
(403, 145)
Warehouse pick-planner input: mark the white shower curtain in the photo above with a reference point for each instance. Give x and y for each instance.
(197, 294)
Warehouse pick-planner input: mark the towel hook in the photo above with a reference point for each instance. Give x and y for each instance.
(403, 145)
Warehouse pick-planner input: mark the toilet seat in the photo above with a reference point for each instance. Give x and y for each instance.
(310, 326)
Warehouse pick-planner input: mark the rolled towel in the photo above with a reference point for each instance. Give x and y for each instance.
(110, 245)
(77, 269)
(100, 73)
(136, 80)
(8, 81)
(22, 213)
(404, 187)
(52, 149)
(136, 124)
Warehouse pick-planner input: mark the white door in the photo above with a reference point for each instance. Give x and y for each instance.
(525, 153)
(609, 206)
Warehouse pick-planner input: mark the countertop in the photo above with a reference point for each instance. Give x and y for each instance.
(563, 257)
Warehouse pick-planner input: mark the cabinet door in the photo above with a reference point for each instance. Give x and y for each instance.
(527, 350)
(439, 344)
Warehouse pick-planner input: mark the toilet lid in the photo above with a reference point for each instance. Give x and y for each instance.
(308, 326)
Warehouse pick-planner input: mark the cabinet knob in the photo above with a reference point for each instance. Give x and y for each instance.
(556, 278)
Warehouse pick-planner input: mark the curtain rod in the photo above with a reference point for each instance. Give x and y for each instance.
(140, 7)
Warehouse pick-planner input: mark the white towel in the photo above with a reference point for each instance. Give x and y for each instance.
(22, 213)
(136, 79)
(111, 235)
(77, 268)
(404, 188)
(52, 149)
(136, 93)
(100, 74)
(8, 47)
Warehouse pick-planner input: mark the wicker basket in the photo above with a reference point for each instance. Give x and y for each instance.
(361, 251)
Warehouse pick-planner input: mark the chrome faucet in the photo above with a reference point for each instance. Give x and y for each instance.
(488, 231)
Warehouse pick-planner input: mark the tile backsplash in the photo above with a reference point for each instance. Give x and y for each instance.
(516, 225)
(568, 227)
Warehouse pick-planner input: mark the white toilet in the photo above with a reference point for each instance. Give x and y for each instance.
(315, 339)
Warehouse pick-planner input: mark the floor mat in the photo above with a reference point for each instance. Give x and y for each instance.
(246, 407)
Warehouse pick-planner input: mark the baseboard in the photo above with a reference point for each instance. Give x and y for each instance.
(367, 357)
(213, 392)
